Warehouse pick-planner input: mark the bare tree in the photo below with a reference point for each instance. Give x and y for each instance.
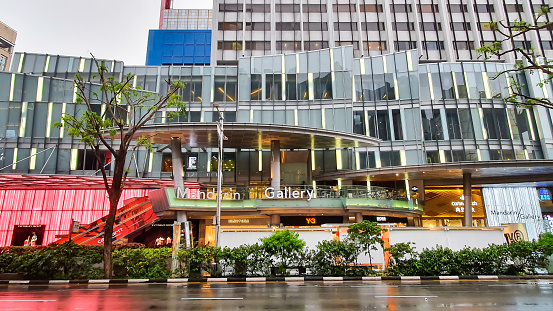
(124, 111)
(527, 59)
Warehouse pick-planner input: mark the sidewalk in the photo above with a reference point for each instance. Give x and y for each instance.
(281, 279)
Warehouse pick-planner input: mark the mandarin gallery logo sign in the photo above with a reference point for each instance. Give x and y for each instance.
(270, 193)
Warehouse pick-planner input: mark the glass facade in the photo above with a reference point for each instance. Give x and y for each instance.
(422, 113)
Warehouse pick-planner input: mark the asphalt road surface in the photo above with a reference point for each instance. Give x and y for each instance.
(416, 295)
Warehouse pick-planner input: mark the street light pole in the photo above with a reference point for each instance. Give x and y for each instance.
(220, 138)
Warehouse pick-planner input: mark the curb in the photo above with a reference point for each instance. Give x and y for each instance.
(291, 279)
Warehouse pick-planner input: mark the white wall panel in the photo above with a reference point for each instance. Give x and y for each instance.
(514, 205)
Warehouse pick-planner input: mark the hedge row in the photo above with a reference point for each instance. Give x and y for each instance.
(280, 254)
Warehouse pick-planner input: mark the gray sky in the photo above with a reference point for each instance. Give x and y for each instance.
(112, 29)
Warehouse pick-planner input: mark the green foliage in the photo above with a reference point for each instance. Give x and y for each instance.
(546, 243)
(56, 261)
(518, 258)
(196, 260)
(337, 258)
(140, 263)
(367, 234)
(285, 247)
(526, 58)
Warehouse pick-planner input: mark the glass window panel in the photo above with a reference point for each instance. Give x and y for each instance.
(340, 114)
(358, 122)
(424, 87)
(432, 124)
(322, 85)
(465, 120)
(371, 115)
(437, 86)
(219, 89)
(457, 155)
(267, 116)
(489, 124)
(256, 91)
(291, 84)
(495, 85)
(453, 126)
(279, 117)
(390, 87)
(432, 156)
(383, 124)
(471, 155)
(521, 117)
(461, 87)
(389, 158)
(303, 88)
(316, 118)
(513, 122)
(448, 90)
(303, 117)
(398, 125)
(273, 87)
(404, 88)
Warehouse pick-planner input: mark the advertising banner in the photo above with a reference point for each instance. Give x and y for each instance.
(515, 233)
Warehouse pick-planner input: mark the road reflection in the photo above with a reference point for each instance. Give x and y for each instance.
(431, 295)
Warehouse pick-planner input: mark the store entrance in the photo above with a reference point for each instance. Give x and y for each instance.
(25, 233)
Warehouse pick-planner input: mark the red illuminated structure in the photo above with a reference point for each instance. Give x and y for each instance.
(46, 204)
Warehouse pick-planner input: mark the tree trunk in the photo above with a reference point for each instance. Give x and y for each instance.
(108, 236)
(114, 195)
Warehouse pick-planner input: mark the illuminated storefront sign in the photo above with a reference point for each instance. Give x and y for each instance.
(188, 193)
(545, 195)
(310, 220)
(270, 193)
(238, 221)
(288, 193)
(450, 203)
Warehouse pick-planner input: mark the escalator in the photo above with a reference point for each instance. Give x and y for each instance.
(133, 216)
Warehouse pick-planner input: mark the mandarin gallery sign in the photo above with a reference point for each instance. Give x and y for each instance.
(270, 193)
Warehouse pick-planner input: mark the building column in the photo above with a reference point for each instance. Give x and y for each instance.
(275, 164)
(358, 217)
(178, 170)
(275, 220)
(467, 193)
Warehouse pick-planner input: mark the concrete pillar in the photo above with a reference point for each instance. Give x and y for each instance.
(467, 193)
(182, 216)
(178, 170)
(358, 217)
(275, 164)
(410, 222)
(275, 220)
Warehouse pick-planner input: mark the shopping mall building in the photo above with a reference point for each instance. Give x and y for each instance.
(334, 112)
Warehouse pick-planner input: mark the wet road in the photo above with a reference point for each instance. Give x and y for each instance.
(417, 295)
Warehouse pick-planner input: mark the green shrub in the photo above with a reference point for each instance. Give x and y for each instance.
(142, 263)
(367, 234)
(403, 259)
(56, 261)
(196, 260)
(525, 258)
(285, 248)
(336, 258)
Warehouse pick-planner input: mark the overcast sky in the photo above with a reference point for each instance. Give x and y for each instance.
(112, 29)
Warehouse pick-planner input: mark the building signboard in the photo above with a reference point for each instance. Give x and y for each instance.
(515, 233)
(450, 203)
